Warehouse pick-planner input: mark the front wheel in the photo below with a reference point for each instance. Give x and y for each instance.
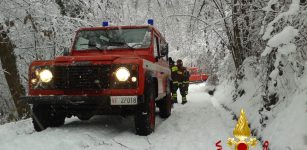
(145, 117)
(44, 116)
(85, 117)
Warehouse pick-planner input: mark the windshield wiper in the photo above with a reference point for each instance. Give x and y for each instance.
(92, 46)
(119, 44)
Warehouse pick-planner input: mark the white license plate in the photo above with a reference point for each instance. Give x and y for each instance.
(124, 100)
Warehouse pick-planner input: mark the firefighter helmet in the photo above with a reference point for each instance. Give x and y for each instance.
(179, 62)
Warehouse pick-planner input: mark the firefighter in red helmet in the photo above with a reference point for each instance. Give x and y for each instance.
(180, 79)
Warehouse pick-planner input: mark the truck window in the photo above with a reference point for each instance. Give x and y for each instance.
(112, 39)
(156, 46)
(163, 43)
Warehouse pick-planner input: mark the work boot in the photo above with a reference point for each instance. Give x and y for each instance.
(184, 102)
(174, 98)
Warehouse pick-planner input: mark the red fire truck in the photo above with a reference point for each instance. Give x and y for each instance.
(196, 75)
(108, 70)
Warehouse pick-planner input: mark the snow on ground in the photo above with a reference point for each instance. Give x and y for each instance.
(285, 128)
(289, 126)
(198, 125)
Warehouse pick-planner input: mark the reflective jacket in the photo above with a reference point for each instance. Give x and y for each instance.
(180, 74)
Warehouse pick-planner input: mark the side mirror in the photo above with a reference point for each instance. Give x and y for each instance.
(164, 50)
(66, 51)
(170, 61)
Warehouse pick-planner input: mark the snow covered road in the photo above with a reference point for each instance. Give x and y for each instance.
(198, 125)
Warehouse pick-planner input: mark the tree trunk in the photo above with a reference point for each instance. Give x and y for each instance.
(229, 32)
(238, 49)
(8, 61)
(241, 28)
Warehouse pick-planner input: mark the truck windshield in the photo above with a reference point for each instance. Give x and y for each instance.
(112, 39)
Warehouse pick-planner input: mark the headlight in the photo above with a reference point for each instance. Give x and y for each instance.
(45, 75)
(122, 74)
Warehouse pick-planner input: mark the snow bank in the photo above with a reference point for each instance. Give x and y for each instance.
(282, 124)
(285, 127)
(288, 129)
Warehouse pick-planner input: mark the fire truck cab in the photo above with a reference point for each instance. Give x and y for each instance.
(108, 70)
(197, 75)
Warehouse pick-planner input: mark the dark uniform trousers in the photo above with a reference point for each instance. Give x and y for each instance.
(183, 88)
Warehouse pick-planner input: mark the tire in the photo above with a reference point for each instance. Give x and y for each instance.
(43, 116)
(57, 119)
(84, 117)
(145, 115)
(165, 106)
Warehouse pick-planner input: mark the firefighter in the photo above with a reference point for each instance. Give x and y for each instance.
(180, 79)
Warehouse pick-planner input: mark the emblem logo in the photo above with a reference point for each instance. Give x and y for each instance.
(242, 134)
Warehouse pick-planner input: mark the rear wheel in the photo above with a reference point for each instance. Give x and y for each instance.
(165, 106)
(145, 118)
(44, 116)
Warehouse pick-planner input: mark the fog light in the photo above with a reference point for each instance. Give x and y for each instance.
(34, 81)
(37, 71)
(133, 79)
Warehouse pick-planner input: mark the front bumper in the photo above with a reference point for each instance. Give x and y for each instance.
(70, 100)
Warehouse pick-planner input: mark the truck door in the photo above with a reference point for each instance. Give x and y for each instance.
(162, 66)
(157, 56)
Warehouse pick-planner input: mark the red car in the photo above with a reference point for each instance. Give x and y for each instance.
(196, 75)
(109, 70)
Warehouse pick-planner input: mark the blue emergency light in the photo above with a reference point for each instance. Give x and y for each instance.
(105, 23)
(150, 22)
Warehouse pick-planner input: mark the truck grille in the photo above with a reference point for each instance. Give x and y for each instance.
(82, 77)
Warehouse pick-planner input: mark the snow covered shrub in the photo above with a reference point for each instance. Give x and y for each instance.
(286, 49)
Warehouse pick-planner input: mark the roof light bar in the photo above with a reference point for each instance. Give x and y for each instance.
(105, 23)
(150, 22)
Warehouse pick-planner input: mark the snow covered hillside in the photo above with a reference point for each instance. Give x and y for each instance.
(197, 125)
(283, 124)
